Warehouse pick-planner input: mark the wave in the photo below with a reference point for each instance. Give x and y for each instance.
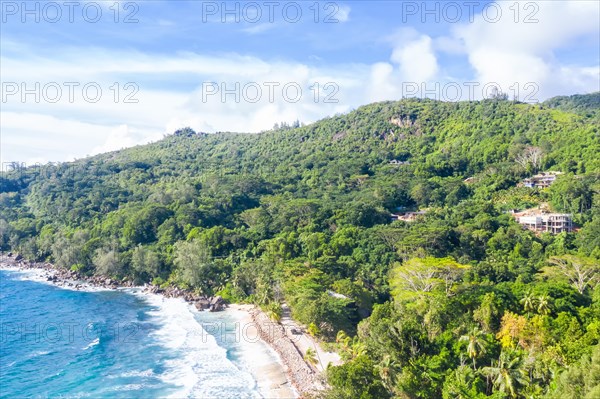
(187, 360)
(92, 344)
(41, 276)
(127, 387)
(200, 366)
(40, 353)
(135, 373)
(38, 275)
(30, 357)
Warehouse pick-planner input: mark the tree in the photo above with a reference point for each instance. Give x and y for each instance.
(530, 156)
(274, 311)
(507, 375)
(512, 329)
(311, 357)
(387, 370)
(254, 279)
(185, 132)
(588, 238)
(356, 379)
(543, 304)
(528, 302)
(574, 194)
(390, 236)
(5, 231)
(68, 251)
(488, 313)
(145, 262)
(197, 266)
(358, 349)
(463, 383)
(420, 276)
(343, 339)
(142, 226)
(497, 94)
(476, 344)
(582, 272)
(108, 262)
(581, 380)
(257, 220)
(313, 329)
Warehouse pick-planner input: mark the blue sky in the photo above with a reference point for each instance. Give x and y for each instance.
(174, 59)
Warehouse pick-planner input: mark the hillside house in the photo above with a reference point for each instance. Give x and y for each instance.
(409, 216)
(542, 180)
(399, 163)
(545, 222)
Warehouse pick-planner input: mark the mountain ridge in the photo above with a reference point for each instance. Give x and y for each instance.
(304, 214)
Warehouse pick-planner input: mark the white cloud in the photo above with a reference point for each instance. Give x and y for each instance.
(382, 83)
(35, 137)
(118, 138)
(417, 60)
(513, 53)
(342, 14)
(163, 105)
(170, 86)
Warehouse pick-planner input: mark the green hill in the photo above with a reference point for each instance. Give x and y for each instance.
(297, 213)
(587, 104)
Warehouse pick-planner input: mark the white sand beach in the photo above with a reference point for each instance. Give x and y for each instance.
(272, 379)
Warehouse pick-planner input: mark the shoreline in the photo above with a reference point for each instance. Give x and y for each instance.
(274, 382)
(305, 378)
(290, 378)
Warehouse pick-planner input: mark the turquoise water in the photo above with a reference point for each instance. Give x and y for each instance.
(56, 342)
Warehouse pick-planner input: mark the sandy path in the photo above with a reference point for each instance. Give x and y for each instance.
(304, 341)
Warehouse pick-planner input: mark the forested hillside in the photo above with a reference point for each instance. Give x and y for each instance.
(579, 103)
(460, 303)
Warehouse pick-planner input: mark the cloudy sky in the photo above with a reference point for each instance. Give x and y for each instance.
(80, 78)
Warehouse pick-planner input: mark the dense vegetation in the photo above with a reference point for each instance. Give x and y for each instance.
(586, 104)
(462, 303)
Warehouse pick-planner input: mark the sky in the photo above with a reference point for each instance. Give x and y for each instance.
(80, 78)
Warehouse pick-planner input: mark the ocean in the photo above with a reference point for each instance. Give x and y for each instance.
(64, 343)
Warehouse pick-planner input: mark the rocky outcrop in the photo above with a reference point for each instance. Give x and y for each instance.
(202, 304)
(217, 304)
(72, 279)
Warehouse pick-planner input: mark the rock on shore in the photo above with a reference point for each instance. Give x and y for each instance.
(302, 376)
(72, 279)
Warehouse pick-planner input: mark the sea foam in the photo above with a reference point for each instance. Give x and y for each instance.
(201, 367)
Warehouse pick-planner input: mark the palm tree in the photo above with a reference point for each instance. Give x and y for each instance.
(343, 339)
(476, 345)
(507, 375)
(311, 357)
(460, 384)
(358, 349)
(274, 316)
(543, 305)
(387, 371)
(528, 302)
